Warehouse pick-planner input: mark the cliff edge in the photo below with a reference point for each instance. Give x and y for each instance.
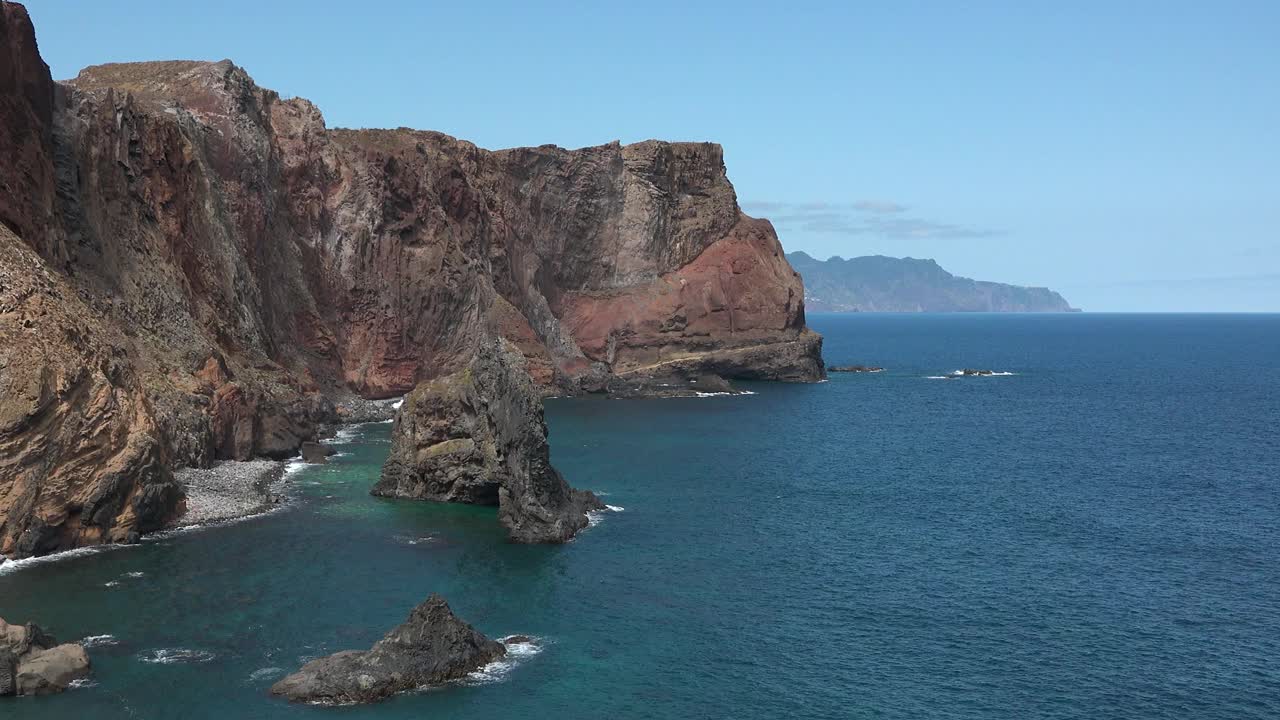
(216, 273)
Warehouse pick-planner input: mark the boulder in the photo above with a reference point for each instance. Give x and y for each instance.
(32, 663)
(316, 453)
(432, 647)
(42, 672)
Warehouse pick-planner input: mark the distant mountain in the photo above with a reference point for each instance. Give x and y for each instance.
(876, 283)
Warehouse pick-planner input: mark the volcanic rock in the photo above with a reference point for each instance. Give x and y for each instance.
(316, 453)
(32, 663)
(479, 436)
(432, 647)
(854, 369)
(195, 269)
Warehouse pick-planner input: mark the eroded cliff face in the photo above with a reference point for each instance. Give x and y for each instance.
(217, 272)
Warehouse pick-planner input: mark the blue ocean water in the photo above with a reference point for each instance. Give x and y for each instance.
(1093, 536)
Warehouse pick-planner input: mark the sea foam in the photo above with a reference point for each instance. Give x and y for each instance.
(497, 671)
(175, 656)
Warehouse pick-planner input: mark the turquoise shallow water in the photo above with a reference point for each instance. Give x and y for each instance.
(1093, 536)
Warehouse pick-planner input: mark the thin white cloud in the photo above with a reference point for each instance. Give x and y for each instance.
(882, 218)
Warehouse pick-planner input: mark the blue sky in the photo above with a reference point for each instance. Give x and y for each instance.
(1124, 153)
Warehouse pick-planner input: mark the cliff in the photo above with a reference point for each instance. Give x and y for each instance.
(197, 269)
(876, 283)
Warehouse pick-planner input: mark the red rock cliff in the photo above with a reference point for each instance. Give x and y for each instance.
(196, 269)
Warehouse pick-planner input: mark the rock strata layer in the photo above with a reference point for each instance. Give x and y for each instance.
(194, 269)
(33, 663)
(431, 648)
(478, 436)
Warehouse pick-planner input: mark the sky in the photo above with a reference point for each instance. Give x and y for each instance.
(1126, 154)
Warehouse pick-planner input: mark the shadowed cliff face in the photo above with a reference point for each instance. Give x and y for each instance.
(478, 436)
(242, 271)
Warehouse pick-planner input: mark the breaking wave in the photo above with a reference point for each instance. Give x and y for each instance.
(497, 671)
(264, 673)
(94, 641)
(12, 566)
(175, 656)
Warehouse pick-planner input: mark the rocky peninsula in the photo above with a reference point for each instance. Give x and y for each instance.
(194, 269)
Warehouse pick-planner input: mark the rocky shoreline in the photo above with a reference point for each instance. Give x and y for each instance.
(230, 490)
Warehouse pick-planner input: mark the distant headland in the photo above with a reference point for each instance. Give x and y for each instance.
(876, 283)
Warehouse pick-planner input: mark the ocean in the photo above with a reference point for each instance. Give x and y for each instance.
(1094, 535)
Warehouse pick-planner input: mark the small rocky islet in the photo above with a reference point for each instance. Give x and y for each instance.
(432, 647)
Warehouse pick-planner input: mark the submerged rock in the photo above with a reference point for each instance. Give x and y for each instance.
(431, 647)
(855, 368)
(33, 663)
(479, 436)
(971, 371)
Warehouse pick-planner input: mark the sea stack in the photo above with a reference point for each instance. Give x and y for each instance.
(479, 436)
(432, 647)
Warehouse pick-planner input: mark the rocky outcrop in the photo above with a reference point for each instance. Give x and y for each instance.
(855, 369)
(222, 274)
(316, 453)
(33, 663)
(478, 436)
(431, 648)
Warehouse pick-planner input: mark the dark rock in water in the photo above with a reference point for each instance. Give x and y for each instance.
(32, 663)
(855, 368)
(432, 647)
(971, 371)
(478, 436)
(316, 453)
(516, 640)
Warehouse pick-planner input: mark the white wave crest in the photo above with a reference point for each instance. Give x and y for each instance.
(135, 574)
(294, 466)
(497, 671)
(99, 641)
(722, 394)
(112, 583)
(81, 683)
(411, 540)
(614, 508)
(13, 566)
(174, 656)
(264, 673)
(961, 373)
(344, 434)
